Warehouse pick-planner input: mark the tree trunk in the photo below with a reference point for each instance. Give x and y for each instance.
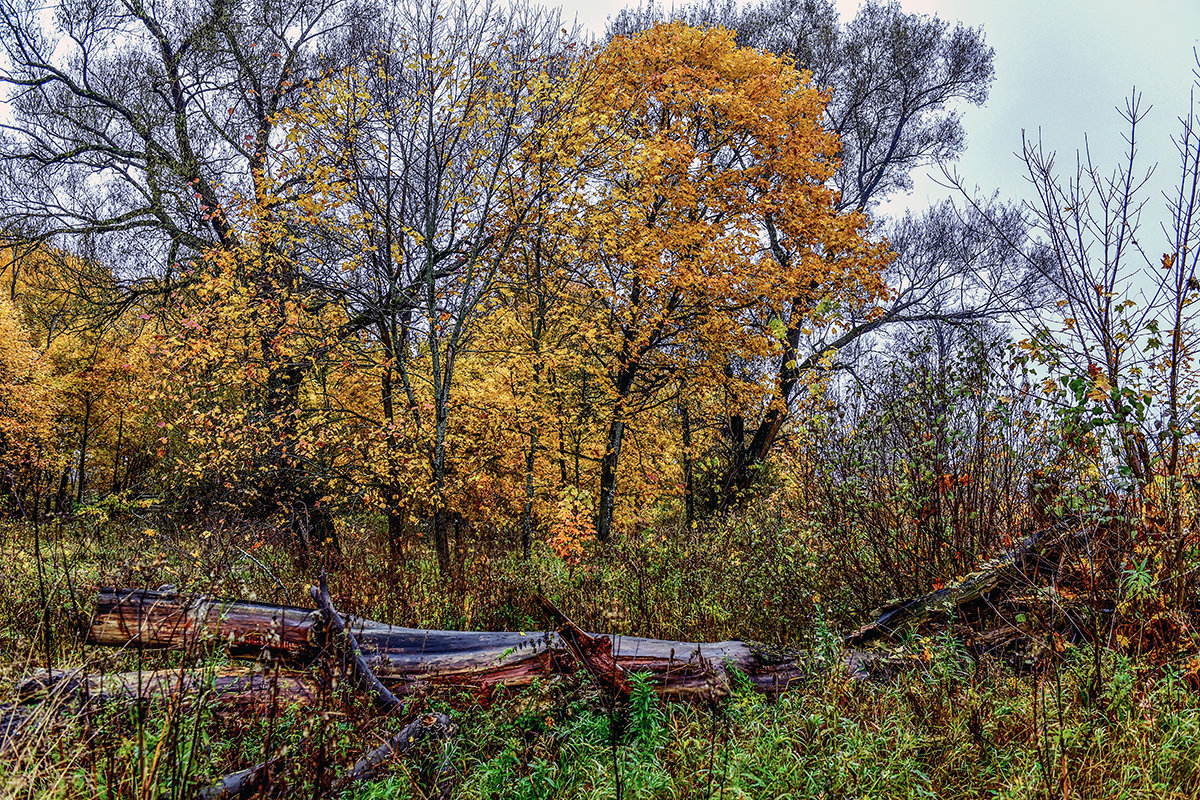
(527, 512)
(81, 482)
(403, 658)
(395, 522)
(689, 486)
(60, 498)
(116, 467)
(608, 476)
(392, 490)
(745, 457)
(441, 539)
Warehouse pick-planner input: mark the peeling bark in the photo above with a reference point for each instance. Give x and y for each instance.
(405, 658)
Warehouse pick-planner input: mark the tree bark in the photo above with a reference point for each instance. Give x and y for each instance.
(81, 483)
(608, 477)
(441, 537)
(405, 658)
(527, 511)
(228, 690)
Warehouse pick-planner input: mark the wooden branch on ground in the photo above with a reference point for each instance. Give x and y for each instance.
(907, 615)
(352, 653)
(247, 782)
(424, 726)
(244, 783)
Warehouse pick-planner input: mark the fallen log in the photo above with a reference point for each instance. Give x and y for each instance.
(13, 719)
(45, 700)
(229, 690)
(907, 615)
(405, 658)
(165, 620)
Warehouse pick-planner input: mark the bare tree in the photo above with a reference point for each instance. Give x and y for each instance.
(431, 173)
(148, 118)
(1127, 307)
(1113, 352)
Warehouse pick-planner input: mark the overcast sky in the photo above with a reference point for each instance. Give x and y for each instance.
(1062, 66)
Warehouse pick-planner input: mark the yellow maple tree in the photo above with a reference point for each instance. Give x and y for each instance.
(698, 157)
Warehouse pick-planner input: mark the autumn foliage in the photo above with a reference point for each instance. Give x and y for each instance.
(490, 283)
(454, 312)
(609, 231)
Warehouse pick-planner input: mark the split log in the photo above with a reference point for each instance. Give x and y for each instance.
(405, 658)
(229, 690)
(594, 652)
(160, 620)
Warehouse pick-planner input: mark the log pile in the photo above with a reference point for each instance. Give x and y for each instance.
(387, 664)
(405, 659)
(390, 662)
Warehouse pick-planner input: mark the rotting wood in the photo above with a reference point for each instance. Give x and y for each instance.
(228, 690)
(169, 621)
(594, 652)
(906, 615)
(45, 700)
(424, 726)
(405, 658)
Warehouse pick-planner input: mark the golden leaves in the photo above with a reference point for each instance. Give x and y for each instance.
(690, 144)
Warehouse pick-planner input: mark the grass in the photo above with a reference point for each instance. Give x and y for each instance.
(950, 727)
(916, 738)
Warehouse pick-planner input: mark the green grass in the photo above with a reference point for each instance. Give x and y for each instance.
(949, 727)
(915, 738)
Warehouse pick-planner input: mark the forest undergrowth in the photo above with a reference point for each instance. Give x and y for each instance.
(500, 327)
(1050, 719)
